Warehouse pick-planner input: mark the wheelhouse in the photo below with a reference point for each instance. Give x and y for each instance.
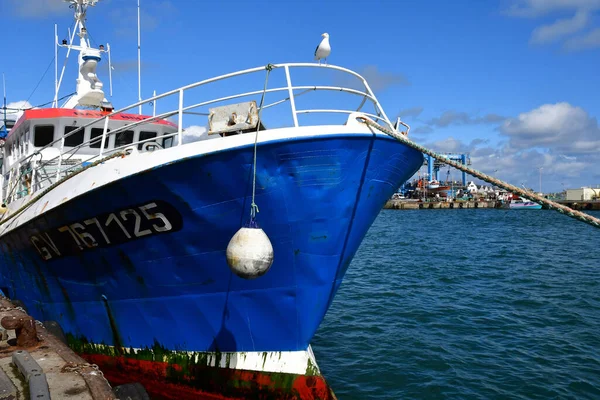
(40, 135)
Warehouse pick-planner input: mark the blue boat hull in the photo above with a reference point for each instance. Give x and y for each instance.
(169, 283)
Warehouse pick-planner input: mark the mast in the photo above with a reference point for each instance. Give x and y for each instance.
(4, 130)
(110, 68)
(89, 87)
(55, 102)
(139, 59)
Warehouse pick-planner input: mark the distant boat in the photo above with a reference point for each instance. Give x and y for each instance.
(435, 187)
(433, 184)
(523, 204)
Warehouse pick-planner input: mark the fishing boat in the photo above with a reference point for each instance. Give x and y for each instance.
(436, 188)
(514, 202)
(523, 204)
(118, 230)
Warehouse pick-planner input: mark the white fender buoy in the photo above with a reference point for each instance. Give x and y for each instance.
(249, 253)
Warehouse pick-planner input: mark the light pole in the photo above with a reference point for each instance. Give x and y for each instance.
(540, 168)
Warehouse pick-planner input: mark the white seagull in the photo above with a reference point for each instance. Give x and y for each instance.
(323, 49)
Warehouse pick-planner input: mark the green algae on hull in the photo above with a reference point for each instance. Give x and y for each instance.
(197, 369)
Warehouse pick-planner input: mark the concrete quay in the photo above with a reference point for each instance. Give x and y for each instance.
(36, 364)
(580, 205)
(403, 204)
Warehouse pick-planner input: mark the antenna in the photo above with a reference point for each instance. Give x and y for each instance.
(55, 102)
(109, 68)
(4, 132)
(62, 73)
(139, 60)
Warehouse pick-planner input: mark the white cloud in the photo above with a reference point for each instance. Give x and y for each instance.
(450, 145)
(559, 126)
(546, 119)
(451, 117)
(590, 40)
(522, 167)
(15, 109)
(410, 112)
(560, 28)
(422, 129)
(561, 138)
(536, 8)
(39, 8)
(380, 80)
(194, 133)
(377, 80)
(462, 118)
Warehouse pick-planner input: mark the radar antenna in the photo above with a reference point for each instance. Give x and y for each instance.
(89, 87)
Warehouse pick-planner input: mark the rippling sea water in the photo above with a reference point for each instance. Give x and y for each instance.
(467, 304)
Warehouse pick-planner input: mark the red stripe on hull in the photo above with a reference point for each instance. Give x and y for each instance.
(169, 381)
(47, 113)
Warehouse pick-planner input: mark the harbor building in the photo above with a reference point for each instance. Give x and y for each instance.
(583, 194)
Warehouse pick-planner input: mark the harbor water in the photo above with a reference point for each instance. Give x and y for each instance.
(473, 304)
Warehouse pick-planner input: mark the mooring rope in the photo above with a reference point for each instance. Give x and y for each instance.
(253, 206)
(55, 184)
(484, 177)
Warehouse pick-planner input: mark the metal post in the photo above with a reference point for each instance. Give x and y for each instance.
(62, 146)
(62, 72)
(33, 175)
(463, 159)
(55, 103)
(430, 162)
(180, 122)
(4, 122)
(10, 179)
(154, 104)
(104, 131)
(139, 60)
(109, 68)
(291, 94)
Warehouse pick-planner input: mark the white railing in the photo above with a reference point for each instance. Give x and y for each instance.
(46, 172)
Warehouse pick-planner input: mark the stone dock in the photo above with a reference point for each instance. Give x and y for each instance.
(395, 204)
(404, 204)
(37, 364)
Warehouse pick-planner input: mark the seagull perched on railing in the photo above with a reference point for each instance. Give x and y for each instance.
(323, 49)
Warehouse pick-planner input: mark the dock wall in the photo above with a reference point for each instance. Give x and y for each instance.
(395, 204)
(419, 205)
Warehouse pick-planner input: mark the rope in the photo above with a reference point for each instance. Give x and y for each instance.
(484, 177)
(253, 206)
(41, 79)
(60, 181)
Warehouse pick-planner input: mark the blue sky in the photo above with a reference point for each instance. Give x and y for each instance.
(515, 83)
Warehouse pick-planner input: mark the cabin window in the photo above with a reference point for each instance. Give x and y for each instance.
(168, 142)
(96, 132)
(146, 135)
(75, 139)
(43, 135)
(123, 138)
